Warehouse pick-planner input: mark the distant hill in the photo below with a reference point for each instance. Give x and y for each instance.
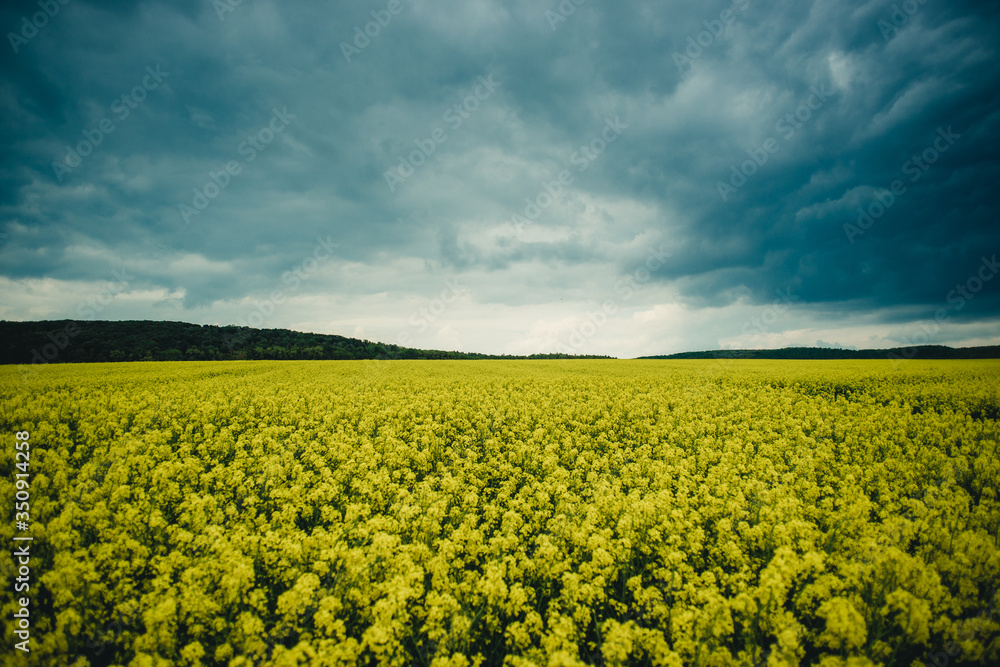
(916, 352)
(66, 341)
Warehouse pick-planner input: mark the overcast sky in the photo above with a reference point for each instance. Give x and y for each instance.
(505, 176)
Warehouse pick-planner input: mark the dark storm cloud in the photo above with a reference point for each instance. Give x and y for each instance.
(269, 125)
(934, 74)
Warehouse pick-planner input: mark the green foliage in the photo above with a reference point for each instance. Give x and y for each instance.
(99, 341)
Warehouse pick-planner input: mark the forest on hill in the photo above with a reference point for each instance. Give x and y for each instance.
(69, 341)
(915, 352)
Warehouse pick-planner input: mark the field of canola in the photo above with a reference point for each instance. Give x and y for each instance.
(502, 512)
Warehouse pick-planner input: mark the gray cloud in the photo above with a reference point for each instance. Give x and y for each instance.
(822, 105)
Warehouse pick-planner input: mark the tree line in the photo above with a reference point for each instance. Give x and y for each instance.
(915, 352)
(69, 341)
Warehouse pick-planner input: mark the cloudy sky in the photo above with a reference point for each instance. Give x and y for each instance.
(505, 176)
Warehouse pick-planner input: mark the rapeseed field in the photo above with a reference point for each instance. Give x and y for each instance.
(503, 512)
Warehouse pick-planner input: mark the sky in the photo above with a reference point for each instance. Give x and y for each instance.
(504, 176)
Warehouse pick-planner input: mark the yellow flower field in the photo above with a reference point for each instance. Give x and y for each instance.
(507, 512)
